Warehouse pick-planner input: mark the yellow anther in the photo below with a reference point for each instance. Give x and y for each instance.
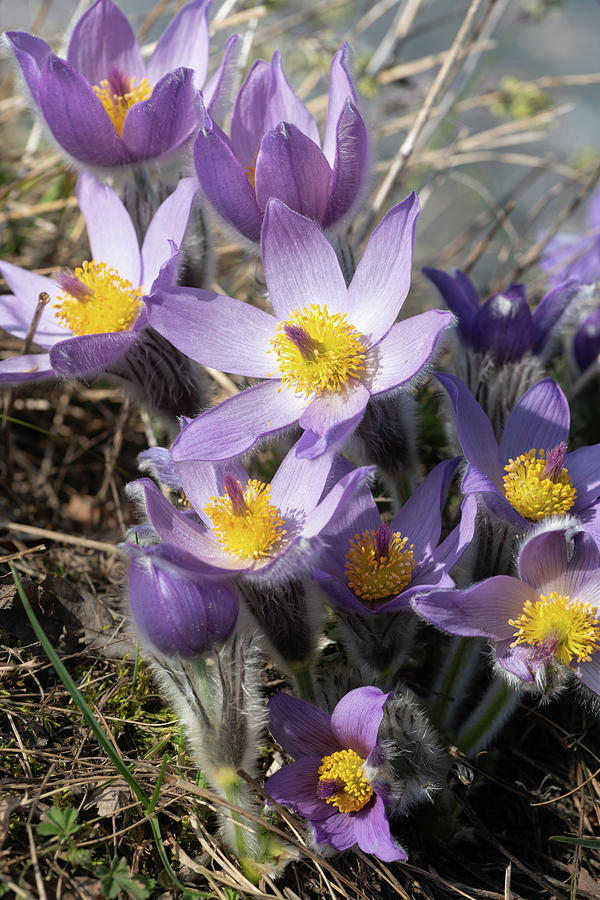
(118, 105)
(373, 576)
(107, 303)
(342, 783)
(533, 494)
(250, 532)
(570, 624)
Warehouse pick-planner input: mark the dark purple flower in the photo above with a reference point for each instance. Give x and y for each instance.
(376, 567)
(104, 105)
(275, 150)
(333, 781)
(98, 312)
(575, 255)
(518, 479)
(586, 341)
(324, 353)
(545, 625)
(503, 327)
(178, 606)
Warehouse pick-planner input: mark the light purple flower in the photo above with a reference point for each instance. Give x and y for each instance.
(104, 105)
(324, 353)
(375, 567)
(336, 760)
(178, 606)
(529, 477)
(118, 280)
(575, 255)
(242, 526)
(275, 150)
(545, 625)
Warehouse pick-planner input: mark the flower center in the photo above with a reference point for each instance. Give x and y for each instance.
(317, 351)
(118, 93)
(244, 520)
(96, 299)
(342, 783)
(537, 485)
(570, 627)
(379, 564)
(251, 171)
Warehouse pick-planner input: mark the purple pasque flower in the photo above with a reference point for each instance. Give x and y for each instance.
(545, 624)
(334, 780)
(503, 327)
(104, 105)
(178, 605)
(324, 353)
(241, 526)
(529, 477)
(575, 255)
(586, 341)
(275, 150)
(98, 312)
(376, 567)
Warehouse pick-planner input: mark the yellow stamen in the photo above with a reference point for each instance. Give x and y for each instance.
(251, 171)
(110, 303)
(118, 105)
(571, 624)
(317, 351)
(534, 495)
(251, 531)
(342, 772)
(374, 577)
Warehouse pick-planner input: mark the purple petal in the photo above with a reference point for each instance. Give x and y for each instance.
(103, 38)
(340, 594)
(407, 348)
(17, 312)
(539, 420)
(504, 325)
(168, 225)
(589, 591)
(583, 466)
(522, 660)
(351, 165)
(423, 530)
(586, 343)
(298, 483)
(475, 431)
(293, 169)
(235, 425)
(336, 499)
(284, 106)
(330, 420)
(336, 830)
(172, 525)
(25, 368)
(550, 310)
(301, 728)
(556, 561)
(481, 611)
(225, 183)
(32, 54)
(300, 264)
(372, 831)
(158, 462)
(382, 278)
(215, 330)
(184, 42)
(454, 545)
(460, 296)
(341, 87)
(203, 481)
(77, 118)
(571, 256)
(112, 236)
(249, 119)
(295, 785)
(356, 719)
(221, 84)
(90, 353)
(163, 122)
(589, 673)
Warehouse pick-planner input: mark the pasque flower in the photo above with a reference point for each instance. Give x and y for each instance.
(104, 105)
(545, 625)
(377, 567)
(98, 312)
(575, 255)
(275, 150)
(324, 353)
(334, 780)
(242, 526)
(529, 477)
(586, 340)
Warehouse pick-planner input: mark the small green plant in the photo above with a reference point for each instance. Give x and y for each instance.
(59, 823)
(117, 878)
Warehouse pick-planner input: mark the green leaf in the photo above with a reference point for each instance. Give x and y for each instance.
(118, 878)
(592, 842)
(58, 823)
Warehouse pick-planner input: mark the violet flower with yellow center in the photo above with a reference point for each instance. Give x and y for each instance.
(335, 781)
(374, 567)
(241, 526)
(97, 313)
(327, 350)
(107, 107)
(529, 477)
(545, 624)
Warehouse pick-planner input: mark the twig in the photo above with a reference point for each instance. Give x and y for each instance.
(58, 536)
